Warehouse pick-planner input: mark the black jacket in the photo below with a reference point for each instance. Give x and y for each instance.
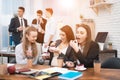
(93, 54)
(14, 24)
(71, 55)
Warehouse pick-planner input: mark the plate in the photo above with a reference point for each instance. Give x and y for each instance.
(80, 69)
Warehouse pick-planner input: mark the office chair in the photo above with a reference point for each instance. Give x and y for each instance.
(112, 63)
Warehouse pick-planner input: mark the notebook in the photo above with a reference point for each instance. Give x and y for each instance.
(71, 75)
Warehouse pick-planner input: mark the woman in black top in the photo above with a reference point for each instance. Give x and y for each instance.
(85, 50)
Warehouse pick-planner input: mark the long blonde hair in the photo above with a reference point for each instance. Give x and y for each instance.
(25, 41)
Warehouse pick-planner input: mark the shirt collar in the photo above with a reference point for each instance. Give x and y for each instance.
(20, 18)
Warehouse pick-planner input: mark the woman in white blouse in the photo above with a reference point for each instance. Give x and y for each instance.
(28, 48)
(62, 47)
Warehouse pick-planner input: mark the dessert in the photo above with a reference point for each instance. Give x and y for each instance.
(80, 67)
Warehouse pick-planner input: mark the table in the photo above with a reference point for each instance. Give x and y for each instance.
(105, 54)
(7, 54)
(110, 51)
(105, 74)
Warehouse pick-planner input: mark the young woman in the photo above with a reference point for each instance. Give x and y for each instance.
(41, 23)
(28, 48)
(86, 50)
(62, 47)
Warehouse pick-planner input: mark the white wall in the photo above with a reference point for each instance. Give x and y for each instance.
(70, 15)
(110, 23)
(106, 22)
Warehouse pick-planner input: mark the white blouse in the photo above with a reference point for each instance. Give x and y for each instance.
(50, 30)
(21, 58)
(54, 60)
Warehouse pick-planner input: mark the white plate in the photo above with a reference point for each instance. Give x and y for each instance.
(45, 54)
(81, 69)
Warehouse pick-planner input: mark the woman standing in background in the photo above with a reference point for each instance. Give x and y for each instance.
(40, 22)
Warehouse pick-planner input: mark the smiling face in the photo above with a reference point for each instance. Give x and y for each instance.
(32, 36)
(81, 35)
(20, 12)
(63, 36)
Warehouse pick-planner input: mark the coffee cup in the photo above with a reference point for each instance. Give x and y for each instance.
(60, 62)
(97, 66)
(3, 69)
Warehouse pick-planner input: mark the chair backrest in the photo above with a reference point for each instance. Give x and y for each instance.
(112, 63)
(101, 37)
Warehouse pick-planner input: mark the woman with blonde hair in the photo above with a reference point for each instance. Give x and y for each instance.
(29, 48)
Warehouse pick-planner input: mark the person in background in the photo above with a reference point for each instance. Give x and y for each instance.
(29, 47)
(17, 26)
(85, 50)
(50, 32)
(62, 47)
(40, 22)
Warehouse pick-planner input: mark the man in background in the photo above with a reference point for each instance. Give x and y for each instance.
(40, 22)
(51, 27)
(17, 26)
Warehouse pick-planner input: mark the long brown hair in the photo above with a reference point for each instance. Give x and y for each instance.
(25, 41)
(88, 39)
(68, 31)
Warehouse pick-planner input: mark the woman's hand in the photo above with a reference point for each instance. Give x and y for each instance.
(53, 44)
(46, 57)
(29, 53)
(74, 45)
(43, 31)
(69, 64)
(46, 45)
(54, 50)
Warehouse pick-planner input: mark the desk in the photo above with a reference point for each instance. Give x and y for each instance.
(7, 54)
(106, 74)
(105, 54)
(109, 51)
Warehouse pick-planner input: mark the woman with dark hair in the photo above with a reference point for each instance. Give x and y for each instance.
(62, 46)
(40, 24)
(85, 50)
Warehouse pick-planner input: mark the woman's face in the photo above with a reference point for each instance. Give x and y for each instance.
(32, 37)
(81, 35)
(47, 14)
(63, 36)
(39, 15)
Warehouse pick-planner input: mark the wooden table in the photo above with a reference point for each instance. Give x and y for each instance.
(106, 74)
